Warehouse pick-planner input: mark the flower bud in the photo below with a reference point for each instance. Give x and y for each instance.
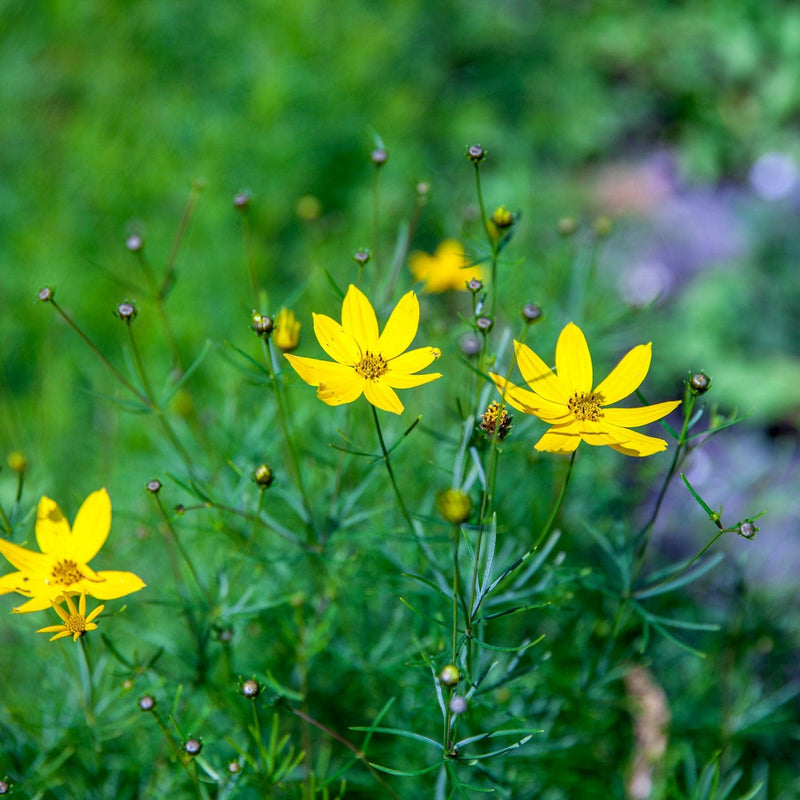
(379, 156)
(147, 702)
(287, 331)
(454, 505)
(250, 689)
(193, 747)
(17, 462)
(154, 486)
(46, 293)
(566, 226)
(423, 188)
(532, 313)
(180, 509)
(134, 243)
(470, 344)
(474, 285)
(361, 256)
(242, 201)
(5, 787)
(699, 383)
(261, 324)
(458, 704)
(263, 476)
(502, 218)
(747, 529)
(234, 767)
(484, 324)
(603, 226)
(475, 153)
(126, 311)
(449, 676)
(496, 422)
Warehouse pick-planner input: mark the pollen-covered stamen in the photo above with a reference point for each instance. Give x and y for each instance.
(75, 623)
(66, 573)
(371, 366)
(585, 405)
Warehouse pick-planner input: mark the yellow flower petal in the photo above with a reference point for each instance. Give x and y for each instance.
(635, 417)
(91, 526)
(554, 441)
(52, 528)
(626, 377)
(400, 328)
(27, 561)
(414, 360)
(313, 370)
(573, 360)
(114, 584)
(382, 396)
(539, 377)
(336, 341)
(401, 381)
(528, 402)
(336, 391)
(34, 604)
(359, 320)
(637, 444)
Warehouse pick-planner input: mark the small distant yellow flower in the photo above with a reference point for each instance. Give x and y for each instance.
(447, 268)
(576, 412)
(286, 334)
(365, 362)
(63, 564)
(76, 623)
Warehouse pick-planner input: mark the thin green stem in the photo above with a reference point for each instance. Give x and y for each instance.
(85, 669)
(114, 371)
(251, 540)
(457, 539)
(546, 528)
(376, 198)
(259, 740)
(183, 225)
(283, 418)
(251, 260)
(490, 238)
(4, 519)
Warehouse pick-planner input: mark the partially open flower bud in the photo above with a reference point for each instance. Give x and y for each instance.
(449, 676)
(193, 747)
(475, 153)
(502, 218)
(747, 530)
(287, 331)
(250, 689)
(242, 201)
(361, 256)
(496, 422)
(263, 476)
(154, 486)
(484, 324)
(147, 702)
(46, 294)
(474, 285)
(134, 243)
(458, 704)
(699, 383)
(234, 767)
(261, 324)
(126, 311)
(454, 505)
(379, 156)
(5, 787)
(531, 313)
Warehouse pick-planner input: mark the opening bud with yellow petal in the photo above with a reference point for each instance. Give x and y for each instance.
(454, 505)
(496, 422)
(17, 462)
(263, 476)
(286, 334)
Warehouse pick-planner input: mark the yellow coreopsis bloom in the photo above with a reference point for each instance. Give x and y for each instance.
(76, 623)
(447, 268)
(63, 564)
(364, 361)
(575, 411)
(286, 335)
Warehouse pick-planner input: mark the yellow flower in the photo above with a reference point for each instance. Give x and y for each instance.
(286, 334)
(76, 623)
(577, 412)
(366, 362)
(63, 564)
(448, 268)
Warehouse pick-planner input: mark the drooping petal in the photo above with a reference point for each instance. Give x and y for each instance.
(539, 377)
(528, 402)
(414, 360)
(400, 381)
(382, 396)
(557, 441)
(52, 528)
(359, 320)
(113, 584)
(25, 560)
(37, 603)
(634, 417)
(573, 360)
(335, 340)
(336, 390)
(637, 444)
(313, 370)
(400, 328)
(91, 526)
(626, 377)
(12, 582)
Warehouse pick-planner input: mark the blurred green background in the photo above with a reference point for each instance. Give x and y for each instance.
(679, 121)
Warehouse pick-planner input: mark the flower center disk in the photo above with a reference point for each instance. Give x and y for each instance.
(585, 405)
(371, 366)
(66, 573)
